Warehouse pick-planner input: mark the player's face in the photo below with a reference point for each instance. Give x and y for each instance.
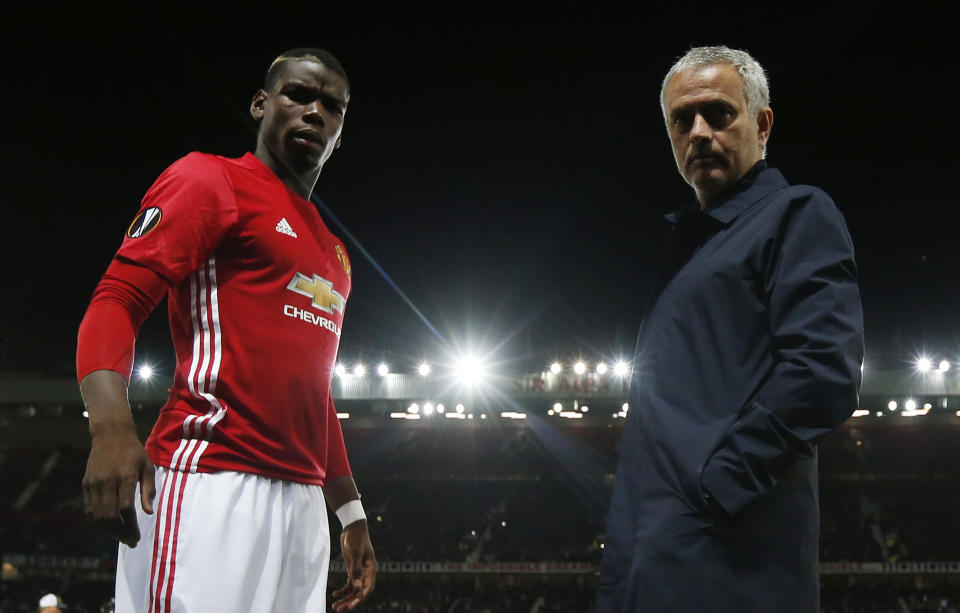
(714, 137)
(302, 116)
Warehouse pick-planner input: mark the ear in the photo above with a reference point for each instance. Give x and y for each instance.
(764, 125)
(339, 141)
(257, 105)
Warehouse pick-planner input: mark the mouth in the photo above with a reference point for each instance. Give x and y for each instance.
(309, 136)
(706, 160)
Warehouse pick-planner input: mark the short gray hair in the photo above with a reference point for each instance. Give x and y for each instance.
(754, 78)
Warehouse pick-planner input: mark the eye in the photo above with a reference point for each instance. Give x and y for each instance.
(718, 116)
(300, 95)
(682, 120)
(334, 106)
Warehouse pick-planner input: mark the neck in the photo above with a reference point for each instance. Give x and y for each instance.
(301, 183)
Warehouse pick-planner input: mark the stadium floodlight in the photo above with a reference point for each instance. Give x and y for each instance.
(460, 408)
(860, 413)
(470, 416)
(924, 364)
(579, 368)
(423, 369)
(469, 370)
(440, 408)
(503, 524)
(398, 415)
(892, 405)
(341, 370)
(601, 368)
(927, 406)
(556, 368)
(343, 415)
(944, 366)
(620, 368)
(625, 407)
(910, 405)
(413, 408)
(359, 370)
(879, 413)
(145, 372)
(584, 408)
(557, 407)
(87, 414)
(383, 370)
(428, 408)
(483, 415)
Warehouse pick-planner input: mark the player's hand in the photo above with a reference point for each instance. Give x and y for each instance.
(117, 463)
(361, 567)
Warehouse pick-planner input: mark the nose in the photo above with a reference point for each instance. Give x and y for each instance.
(700, 130)
(313, 113)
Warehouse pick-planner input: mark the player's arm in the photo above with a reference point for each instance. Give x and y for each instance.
(342, 496)
(816, 327)
(123, 299)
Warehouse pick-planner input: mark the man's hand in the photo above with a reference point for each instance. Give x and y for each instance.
(117, 460)
(361, 567)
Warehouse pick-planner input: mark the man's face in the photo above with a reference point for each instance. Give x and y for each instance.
(302, 115)
(715, 139)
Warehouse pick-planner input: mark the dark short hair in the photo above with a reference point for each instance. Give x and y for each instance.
(311, 54)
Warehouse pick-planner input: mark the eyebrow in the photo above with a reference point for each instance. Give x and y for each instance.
(320, 92)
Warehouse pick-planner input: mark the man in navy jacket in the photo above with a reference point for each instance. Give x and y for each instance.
(750, 353)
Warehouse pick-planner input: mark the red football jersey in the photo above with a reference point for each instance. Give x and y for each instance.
(258, 290)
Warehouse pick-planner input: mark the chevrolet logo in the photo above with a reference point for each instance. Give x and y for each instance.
(319, 290)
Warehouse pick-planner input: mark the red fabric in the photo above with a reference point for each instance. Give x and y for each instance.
(126, 295)
(255, 358)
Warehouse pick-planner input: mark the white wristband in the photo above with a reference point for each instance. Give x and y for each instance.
(351, 512)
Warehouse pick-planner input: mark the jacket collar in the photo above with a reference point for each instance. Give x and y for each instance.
(759, 182)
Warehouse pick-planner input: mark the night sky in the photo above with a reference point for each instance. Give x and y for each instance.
(507, 168)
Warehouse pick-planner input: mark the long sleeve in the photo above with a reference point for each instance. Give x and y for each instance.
(123, 299)
(816, 331)
(337, 463)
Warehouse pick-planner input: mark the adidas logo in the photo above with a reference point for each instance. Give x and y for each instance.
(283, 227)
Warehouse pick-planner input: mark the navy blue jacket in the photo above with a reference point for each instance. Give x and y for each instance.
(749, 354)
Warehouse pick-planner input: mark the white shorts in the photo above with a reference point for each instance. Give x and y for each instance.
(227, 541)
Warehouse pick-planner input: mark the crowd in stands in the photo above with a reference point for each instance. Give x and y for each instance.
(530, 493)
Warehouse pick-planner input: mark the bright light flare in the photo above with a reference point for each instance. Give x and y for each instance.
(423, 369)
(579, 368)
(910, 405)
(555, 368)
(620, 368)
(469, 370)
(892, 405)
(924, 364)
(359, 370)
(944, 366)
(383, 370)
(145, 372)
(341, 370)
(601, 368)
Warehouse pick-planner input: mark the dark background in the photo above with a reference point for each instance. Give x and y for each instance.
(505, 165)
